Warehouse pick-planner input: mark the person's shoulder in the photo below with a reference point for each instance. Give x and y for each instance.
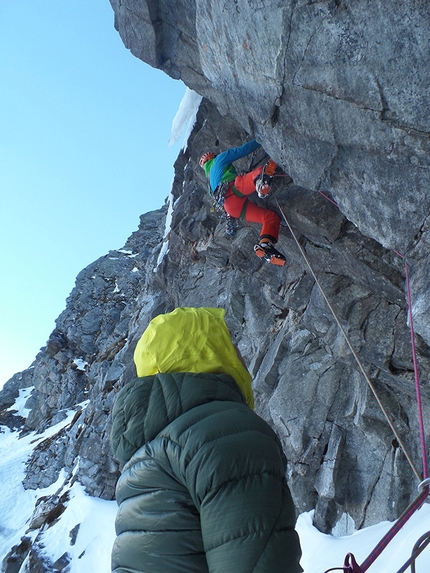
(218, 419)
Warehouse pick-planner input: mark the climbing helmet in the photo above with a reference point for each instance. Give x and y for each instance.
(206, 157)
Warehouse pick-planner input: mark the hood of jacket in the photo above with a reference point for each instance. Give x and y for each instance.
(191, 340)
(145, 406)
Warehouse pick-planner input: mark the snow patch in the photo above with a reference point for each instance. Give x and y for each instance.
(345, 526)
(130, 254)
(18, 407)
(162, 254)
(185, 118)
(322, 552)
(16, 503)
(167, 229)
(93, 520)
(80, 364)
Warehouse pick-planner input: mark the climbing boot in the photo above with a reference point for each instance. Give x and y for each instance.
(268, 252)
(262, 183)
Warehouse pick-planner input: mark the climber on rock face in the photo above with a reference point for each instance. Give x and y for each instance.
(233, 189)
(203, 487)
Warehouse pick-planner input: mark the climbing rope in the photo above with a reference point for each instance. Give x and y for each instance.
(389, 536)
(414, 358)
(351, 566)
(417, 379)
(345, 335)
(328, 198)
(419, 547)
(350, 563)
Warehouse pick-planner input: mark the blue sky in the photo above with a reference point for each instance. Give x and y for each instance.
(84, 131)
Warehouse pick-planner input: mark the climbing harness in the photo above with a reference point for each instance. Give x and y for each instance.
(218, 198)
(350, 563)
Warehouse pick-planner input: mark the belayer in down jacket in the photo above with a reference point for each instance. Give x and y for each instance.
(203, 487)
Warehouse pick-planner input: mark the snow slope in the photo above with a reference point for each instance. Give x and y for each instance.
(92, 520)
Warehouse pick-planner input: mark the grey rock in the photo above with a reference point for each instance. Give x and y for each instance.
(341, 452)
(331, 112)
(336, 91)
(16, 556)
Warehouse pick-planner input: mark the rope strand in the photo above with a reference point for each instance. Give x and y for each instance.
(419, 547)
(417, 379)
(350, 565)
(360, 364)
(409, 511)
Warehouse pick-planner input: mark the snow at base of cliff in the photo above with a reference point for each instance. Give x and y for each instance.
(92, 519)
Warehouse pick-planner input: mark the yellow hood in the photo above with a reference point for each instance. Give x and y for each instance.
(191, 340)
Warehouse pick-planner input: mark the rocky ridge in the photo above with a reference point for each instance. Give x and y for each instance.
(343, 459)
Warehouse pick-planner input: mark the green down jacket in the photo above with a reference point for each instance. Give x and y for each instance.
(203, 487)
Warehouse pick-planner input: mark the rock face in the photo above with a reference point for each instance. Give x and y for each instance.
(337, 92)
(334, 92)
